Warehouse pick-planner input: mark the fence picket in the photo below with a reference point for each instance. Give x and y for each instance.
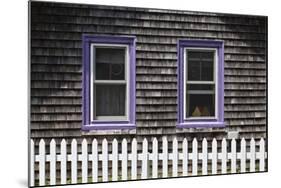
(194, 157)
(42, 161)
(124, 159)
(214, 156)
(185, 157)
(104, 160)
(74, 161)
(155, 158)
(114, 160)
(52, 162)
(243, 155)
(224, 156)
(262, 155)
(134, 159)
(165, 157)
(31, 162)
(252, 155)
(205, 157)
(144, 159)
(175, 157)
(84, 161)
(95, 160)
(63, 161)
(233, 156)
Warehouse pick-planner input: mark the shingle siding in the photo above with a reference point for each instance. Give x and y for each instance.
(56, 66)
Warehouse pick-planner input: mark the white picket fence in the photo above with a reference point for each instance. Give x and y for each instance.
(209, 161)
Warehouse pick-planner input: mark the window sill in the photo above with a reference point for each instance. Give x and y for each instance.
(109, 132)
(201, 125)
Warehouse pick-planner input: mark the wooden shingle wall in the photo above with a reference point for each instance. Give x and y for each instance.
(56, 66)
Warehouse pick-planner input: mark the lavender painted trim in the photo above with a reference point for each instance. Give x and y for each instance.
(188, 123)
(108, 125)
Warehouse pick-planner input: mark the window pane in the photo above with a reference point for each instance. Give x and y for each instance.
(200, 105)
(110, 100)
(110, 63)
(200, 65)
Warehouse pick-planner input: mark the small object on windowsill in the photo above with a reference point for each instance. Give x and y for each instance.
(200, 111)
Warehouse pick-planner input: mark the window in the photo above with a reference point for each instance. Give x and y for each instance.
(109, 82)
(201, 83)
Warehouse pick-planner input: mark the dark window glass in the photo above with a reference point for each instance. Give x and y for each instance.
(110, 63)
(200, 105)
(200, 65)
(110, 100)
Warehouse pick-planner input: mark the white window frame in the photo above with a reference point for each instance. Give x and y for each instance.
(93, 117)
(199, 49)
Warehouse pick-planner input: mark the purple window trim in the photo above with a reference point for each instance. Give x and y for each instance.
(207, 123)
(107, 125)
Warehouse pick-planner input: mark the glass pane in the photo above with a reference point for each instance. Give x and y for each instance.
(200, 105)
(110, 63)
(110, 100)
(200, 65)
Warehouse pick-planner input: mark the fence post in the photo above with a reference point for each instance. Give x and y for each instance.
(243, 155)
(144, 159)
(262, 154)
(165, 157)
(252, 155)
(84, 161)
(53, 162)
(155, 158)
(104, 160)
(74, 161)
(194, 157)
(214, 156)
(233, 155)
(224, 156)
(42, 161)
(134, 159)
(63, 161)
(124, 160)
(95, 161)
(185, 157)
(32, 161)
(205, 157)
(114, 160)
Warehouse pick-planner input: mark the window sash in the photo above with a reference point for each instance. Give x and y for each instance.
(93, 82)
(185, 82)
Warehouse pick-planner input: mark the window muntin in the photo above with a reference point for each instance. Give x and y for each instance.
(109, 78)
(200, 83)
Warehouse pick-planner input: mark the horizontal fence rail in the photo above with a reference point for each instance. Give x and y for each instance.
(110, 162)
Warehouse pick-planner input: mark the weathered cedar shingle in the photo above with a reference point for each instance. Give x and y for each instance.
(56, 66)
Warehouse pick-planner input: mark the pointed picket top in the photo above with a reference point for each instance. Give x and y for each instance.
(73, 142)
(63, 141)
(84, 141)
(144, 143)
(204, 143)
(124, 143)
(41, 143)
(104, 141)
(155, 141)
(53, 142)
(114, 142)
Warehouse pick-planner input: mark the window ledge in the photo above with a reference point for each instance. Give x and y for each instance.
(201, 125)
(110, 132)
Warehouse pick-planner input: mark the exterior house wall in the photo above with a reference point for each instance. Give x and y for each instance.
(56, 68)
